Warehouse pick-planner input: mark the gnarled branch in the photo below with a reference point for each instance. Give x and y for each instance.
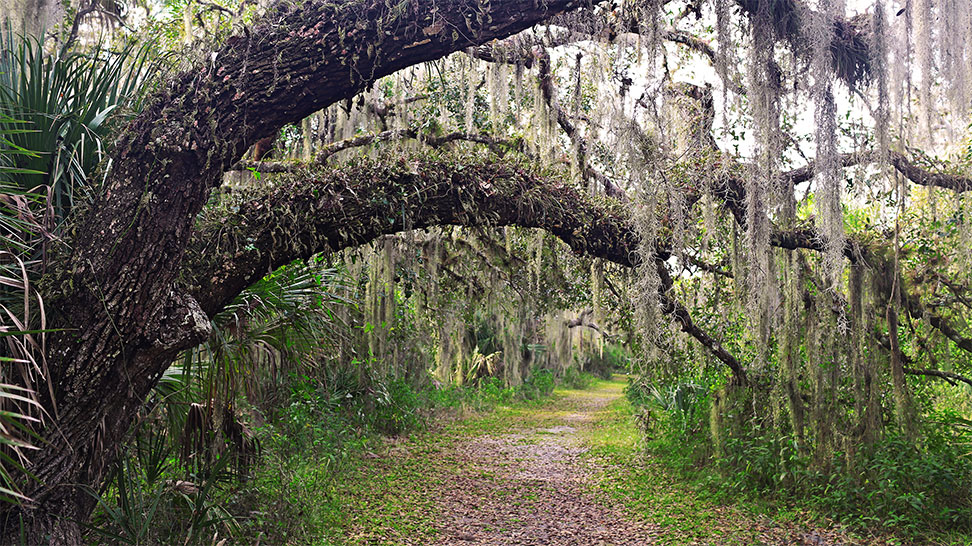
(347, 206)
(924, 177)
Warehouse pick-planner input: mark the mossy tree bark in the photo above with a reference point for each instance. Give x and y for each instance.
(116, 296)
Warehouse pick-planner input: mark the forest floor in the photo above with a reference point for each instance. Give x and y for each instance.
(565, 471)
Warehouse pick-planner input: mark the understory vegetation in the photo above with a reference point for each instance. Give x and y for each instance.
(287, 490)
(920, 491)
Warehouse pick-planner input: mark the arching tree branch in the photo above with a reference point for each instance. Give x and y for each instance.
(349, 205)
(939, 323)
(914, 173)
(496, 145)
(342, 207)
(805, 173)
(950, 377)
(924, 177)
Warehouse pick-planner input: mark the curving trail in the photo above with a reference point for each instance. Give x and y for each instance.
(565, 472)
(532, 485)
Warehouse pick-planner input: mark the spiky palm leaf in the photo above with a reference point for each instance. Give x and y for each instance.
(285, 320)
(284, 317)
(68, 100)
(54, 117)
(22, 353)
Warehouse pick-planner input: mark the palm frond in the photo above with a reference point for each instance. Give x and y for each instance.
(285, 319)
(63, 104)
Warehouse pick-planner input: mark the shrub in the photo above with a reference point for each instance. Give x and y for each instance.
(911, 487)
(538, 384)
(396, 408)
(576, 379)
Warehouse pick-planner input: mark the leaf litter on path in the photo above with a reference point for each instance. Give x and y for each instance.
(532, 487)
(525, 479)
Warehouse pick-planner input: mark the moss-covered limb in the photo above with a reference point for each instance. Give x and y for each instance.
(711, 268)
(119, 317)
(850, 51)
(521, 49)
(549, 91)
(805, 173)
(385, 108)
(329, 150)
(925, 177)
(579, 323)
(674, 308)
(914, 173)
(692, 42)
(349, 205)
(497, 145)
(911, 171)
(732, 191)
(951, 377)
(939, 322)
(518, 50)
(268, 167)
(704, 47)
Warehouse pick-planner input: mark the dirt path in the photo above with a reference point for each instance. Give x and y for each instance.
(568, 471)
(532, 486)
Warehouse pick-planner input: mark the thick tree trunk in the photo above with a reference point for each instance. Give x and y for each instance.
(116, 292)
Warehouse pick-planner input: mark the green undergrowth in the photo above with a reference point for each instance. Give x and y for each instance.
(652, 489)
(659, 476)
(320, 473)
(326, 476)
(649, 479)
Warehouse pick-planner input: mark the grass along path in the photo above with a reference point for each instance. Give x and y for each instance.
(529, 482)
(567, 471)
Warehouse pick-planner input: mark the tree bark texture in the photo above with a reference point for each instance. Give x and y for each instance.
(126, 296)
